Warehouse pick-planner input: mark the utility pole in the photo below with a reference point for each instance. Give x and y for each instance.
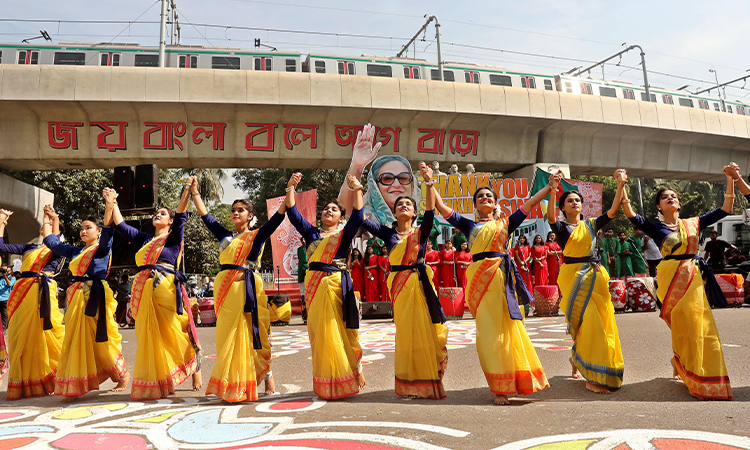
(162, 32)
(643, 64)
(405, 48)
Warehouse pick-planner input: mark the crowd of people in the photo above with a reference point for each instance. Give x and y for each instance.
(45, 356)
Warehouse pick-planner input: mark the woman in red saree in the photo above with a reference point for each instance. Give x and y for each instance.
(539, 253)
(372, 272)
(522, 256)
(463, 261)
(448, 265)
(554, 257)
(356, 268)
(432, 259)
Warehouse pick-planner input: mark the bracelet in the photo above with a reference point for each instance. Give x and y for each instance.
(290, 188)
(48, 223)
(625, 201)
(195, 194)
(429, 183)
(736, 179)
(728, 195)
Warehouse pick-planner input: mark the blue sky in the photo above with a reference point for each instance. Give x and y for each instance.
(683, 38)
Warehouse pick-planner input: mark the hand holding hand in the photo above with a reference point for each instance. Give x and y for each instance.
(353, 182)
(426, 172)
(364, 150)
(5, 214)
(190, 181)
(294, 180)
(621, 176)
(732, 170)
(110, 196)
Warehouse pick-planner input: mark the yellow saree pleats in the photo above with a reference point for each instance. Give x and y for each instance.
(165, 355)
(239, 367)
(336, 352)
(83, 362)
(34, 352)
(508, 358)
(421, 355)
(589, 311)
(698, 356)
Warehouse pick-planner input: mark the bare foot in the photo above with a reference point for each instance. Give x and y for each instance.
(123, 384)
(270, 386)
(597, 388)
(675, 373)
(501, 400)
(197, 381)
(576, 374)
(361, 381)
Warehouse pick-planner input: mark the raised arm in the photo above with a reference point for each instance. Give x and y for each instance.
(539, 196)
(733, 171)
(290, 187)
(430, 200)
(110, 201)
(4, 215)
(182, 206)
(197, 200)
(552, 205)
(10, 248)
(622, 178)
(363, 154)
(729, 196)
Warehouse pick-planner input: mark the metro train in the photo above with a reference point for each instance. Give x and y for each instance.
(203, 57)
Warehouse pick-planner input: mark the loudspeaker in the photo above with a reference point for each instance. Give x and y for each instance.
(123, 250)
(146, 186)
(377, 310)
(123, 183)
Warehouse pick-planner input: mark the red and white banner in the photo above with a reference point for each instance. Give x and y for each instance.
(285, 240)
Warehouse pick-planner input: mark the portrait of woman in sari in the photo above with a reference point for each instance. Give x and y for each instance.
(167, 351)
(494, 285)
(243, 322)
(584, 284)
(421, 355)
(332, 312)
(35, 330)
(92, 347)
(688, 290)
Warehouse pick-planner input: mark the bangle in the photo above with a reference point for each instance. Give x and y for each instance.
(429, 183)
(48, 223)
(736, 179)
(196, 194)
(290, 188)
(625, 201)
(355, 188)
(728, 195)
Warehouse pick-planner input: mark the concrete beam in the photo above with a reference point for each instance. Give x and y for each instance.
(27, 203)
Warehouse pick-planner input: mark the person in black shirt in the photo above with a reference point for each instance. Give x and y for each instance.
(715, 249)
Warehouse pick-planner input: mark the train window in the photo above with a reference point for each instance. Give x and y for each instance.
(607, 91)
(645, 98)
(263, 64)
(70, 59)
(411, 72)
(741, 110)
(568, 87)
(184, 61)
(110, 59)
(346, 68)
(729, 109)
(716, 107)
(320, 67)
(1, 57)
(447, 75)
(548, 85)
(528, 82)
(587, 89)
(667, 99)
(500, 80)
(28, 57)
(471, 76)
(291, 65)
(146, 60)
(628, 93)
(702, 104)
(686, 102)
(377, 70)
(225, 62)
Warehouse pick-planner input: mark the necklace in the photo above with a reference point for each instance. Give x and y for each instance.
(401, 233)
(485, 219)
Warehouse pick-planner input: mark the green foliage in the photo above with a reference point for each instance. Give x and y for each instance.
(78, 193)
(171, 184)
(209, 182)
(620, 222)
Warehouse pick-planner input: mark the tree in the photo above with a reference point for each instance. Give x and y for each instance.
(209, 182)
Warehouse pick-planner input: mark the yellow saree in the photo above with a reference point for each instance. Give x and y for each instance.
(165, 355)
(421, 355)
(83, 362)
(239, 367)
(34, 352)
(508, 358)
(698, 356)
(589, 311)
(336, 352)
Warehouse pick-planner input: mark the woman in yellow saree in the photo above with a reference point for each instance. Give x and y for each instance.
(168, 350)
(243, 348)
(586, 301)
(35, 331)
(688, 289)
(508, 358)
(332, 315)
(91, 351)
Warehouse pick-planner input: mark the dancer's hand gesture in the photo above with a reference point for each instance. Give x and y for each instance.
(426, 172)
(364, 150)
(294, 180)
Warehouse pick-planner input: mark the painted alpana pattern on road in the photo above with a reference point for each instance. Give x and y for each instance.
(200, 424)
(634, 440)
(546, 333)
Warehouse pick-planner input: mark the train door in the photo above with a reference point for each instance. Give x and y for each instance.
(667, 99)
(188, 61)
(411, 72)
(346, 67)
(28, 57)
(109, 59)
(628, 94)
(703, 104)
(586, 89)
(263, 63)
(471, 76)
(528, 82)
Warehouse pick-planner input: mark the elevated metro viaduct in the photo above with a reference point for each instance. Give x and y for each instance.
(58, 117)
